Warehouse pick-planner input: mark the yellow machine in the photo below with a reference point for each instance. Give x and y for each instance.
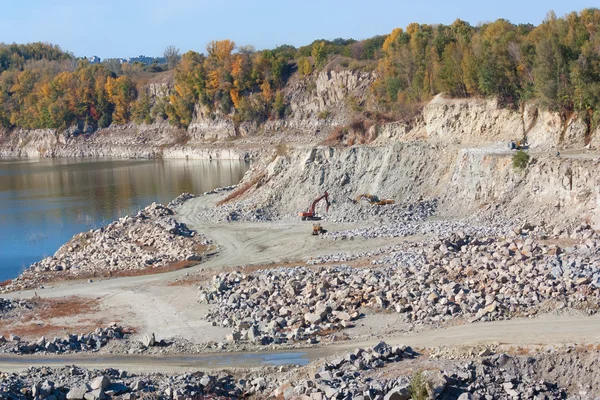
(519, 144)
(374, 200)
(318, 229)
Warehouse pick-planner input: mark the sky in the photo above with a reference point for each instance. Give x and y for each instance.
(127, 28)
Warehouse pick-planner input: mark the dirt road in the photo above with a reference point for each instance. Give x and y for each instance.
(542, 331)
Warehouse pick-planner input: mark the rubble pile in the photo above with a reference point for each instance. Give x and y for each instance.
(72, 343)
(238, 211)
(179, 200)
(424, 227)
(246, 210)
(431, 283)
(379, 372)
(351, 377)
(11, 308)
(77, 383)
(150, 239)
(352, 211)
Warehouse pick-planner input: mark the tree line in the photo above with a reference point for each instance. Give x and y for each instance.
(556, 64)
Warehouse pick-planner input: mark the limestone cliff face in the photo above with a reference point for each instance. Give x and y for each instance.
(124, 141)
(314, 103)
(562, 189)
(325, 101)
(476, 121)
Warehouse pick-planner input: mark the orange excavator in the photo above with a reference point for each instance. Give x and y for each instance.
(310, 214)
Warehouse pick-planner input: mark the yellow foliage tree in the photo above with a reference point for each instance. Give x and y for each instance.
(221, 49)
(121, 92)
(235, 97)
(304, 66)
(318, 54)
(267, 91)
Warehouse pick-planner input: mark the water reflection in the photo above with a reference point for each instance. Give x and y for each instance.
(43, 203)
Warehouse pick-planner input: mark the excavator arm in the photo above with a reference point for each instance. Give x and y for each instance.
(311, 211)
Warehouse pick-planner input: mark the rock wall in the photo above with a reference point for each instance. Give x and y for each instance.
(477, 121)
(556, 189)
(559, 189)
(323, 102)
(125, 141)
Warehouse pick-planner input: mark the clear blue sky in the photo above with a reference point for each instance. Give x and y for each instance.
(123, 28)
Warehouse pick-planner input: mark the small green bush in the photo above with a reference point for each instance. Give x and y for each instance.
(520, 160)
(105, 121)
(418, 387)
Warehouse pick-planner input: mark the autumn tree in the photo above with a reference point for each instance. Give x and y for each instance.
(304, 66)
(121, 92)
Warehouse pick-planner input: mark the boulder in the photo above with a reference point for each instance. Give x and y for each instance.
(77, 392)
(100, 382)
(398, 393)
(312, 318)
(149, 340)
(97, 394)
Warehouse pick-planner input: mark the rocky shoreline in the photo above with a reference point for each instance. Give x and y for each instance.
(151, 240)
(126, 141)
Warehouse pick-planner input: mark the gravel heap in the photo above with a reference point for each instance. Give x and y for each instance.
(88, 342)
(350, 377)
(150, 239)
(351, 211)
(83, 384)
(9, 308)
(475, 279)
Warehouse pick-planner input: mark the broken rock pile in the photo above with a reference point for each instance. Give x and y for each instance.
(179, 200)
(476, 279)
(277, 306)
(88, 342)
(81, 384)
(150, 239)
(393, 213)
(354, 376)
(11, 308)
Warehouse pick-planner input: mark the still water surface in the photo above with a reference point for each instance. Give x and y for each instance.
(43, 203)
